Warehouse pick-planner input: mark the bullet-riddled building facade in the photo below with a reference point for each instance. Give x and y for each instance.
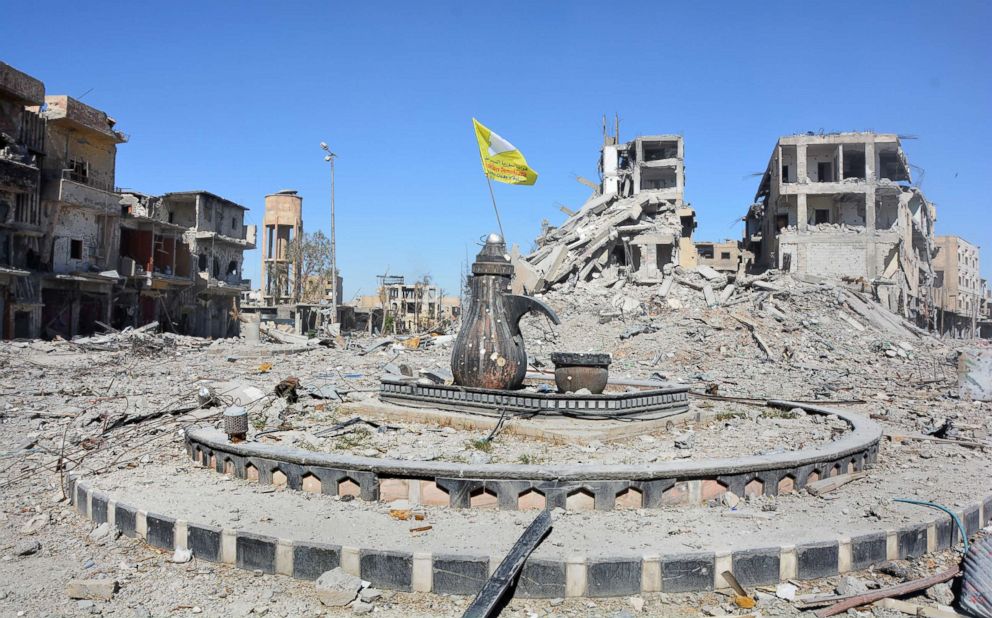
(841, 206)
(78, 254)
(22, 226)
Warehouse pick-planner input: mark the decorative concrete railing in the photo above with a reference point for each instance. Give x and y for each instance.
(569, 486)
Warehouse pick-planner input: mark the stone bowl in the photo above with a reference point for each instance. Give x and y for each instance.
(575, 371)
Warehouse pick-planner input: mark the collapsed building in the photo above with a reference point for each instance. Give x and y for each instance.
(841, 206)
(634, 226)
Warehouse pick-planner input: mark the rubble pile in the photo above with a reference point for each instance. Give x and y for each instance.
(94, 405)
(582, 247)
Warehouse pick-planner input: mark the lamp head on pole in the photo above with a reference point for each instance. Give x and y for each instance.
(323, 145)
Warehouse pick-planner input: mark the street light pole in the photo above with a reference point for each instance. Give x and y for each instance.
(329, 157)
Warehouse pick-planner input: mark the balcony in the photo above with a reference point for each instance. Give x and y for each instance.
(85, 193)
(18, 176)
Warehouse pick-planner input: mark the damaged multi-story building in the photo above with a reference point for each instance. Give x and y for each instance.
(58, 210)
(402, 307)
(77, 253)
(841, 206)
(181, 256)
(83, 211)
(22, 228)
(634, 226)
(959, 289)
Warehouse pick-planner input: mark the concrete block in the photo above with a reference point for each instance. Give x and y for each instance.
(972, 520)
(125, 518)
(98, 508)
(284, 557)
(254, 551)
(312, 559)
(204, 541)
(912, 541)
(687, 572)
(817, 560)
(161, 531)
(387, 569)
(947, 533)
(613, 577)
(756, 567)
(459, 574)
(92, 589)
(82, 499)
(866, 550)
(542, 579)
(651, 574)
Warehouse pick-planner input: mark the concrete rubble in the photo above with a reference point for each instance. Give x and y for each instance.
(831, 298)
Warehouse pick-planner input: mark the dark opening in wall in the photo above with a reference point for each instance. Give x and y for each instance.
(619, 255)
(75, 249)
(890, 166)
(664, 255)
(232, 267)
(824, 171)
(705, 251)
(785, 173)
(657, 151)
(724, 255)
(854, 164)
(80, 170)
(201, 262)
(216, 268)
(821, 215)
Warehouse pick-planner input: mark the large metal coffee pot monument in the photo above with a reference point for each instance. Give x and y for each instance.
(489, 351)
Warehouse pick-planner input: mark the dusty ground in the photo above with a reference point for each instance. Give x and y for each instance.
(119, 412)
(737, 430)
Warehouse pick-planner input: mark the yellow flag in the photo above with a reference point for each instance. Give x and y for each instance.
(501, 160)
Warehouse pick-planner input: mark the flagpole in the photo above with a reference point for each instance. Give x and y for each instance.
(496, 210)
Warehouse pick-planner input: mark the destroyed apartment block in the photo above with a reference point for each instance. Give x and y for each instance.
(78, 255)
(181, 257)
(634, 226)
(841, 206)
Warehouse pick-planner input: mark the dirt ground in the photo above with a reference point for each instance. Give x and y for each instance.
(117, 413)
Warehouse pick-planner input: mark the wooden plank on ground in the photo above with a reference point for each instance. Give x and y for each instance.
(490, 599)
(884, 593)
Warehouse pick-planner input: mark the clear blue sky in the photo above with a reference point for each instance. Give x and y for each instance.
(235, 97)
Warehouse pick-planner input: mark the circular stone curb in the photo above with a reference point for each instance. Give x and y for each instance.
(571, 486)
(583, 576)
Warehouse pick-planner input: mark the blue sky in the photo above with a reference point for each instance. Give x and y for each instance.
(234, 98)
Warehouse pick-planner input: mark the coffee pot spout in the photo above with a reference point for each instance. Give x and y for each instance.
(517, 305)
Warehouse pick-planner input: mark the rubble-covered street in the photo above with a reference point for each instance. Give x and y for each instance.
(119, 405)
(515, 310)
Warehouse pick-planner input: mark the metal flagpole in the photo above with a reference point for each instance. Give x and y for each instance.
(496, 210)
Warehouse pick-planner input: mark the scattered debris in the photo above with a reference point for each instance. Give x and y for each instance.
(92, 589)
(335, 588)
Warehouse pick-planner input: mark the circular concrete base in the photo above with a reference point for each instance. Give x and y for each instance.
(299, 535)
